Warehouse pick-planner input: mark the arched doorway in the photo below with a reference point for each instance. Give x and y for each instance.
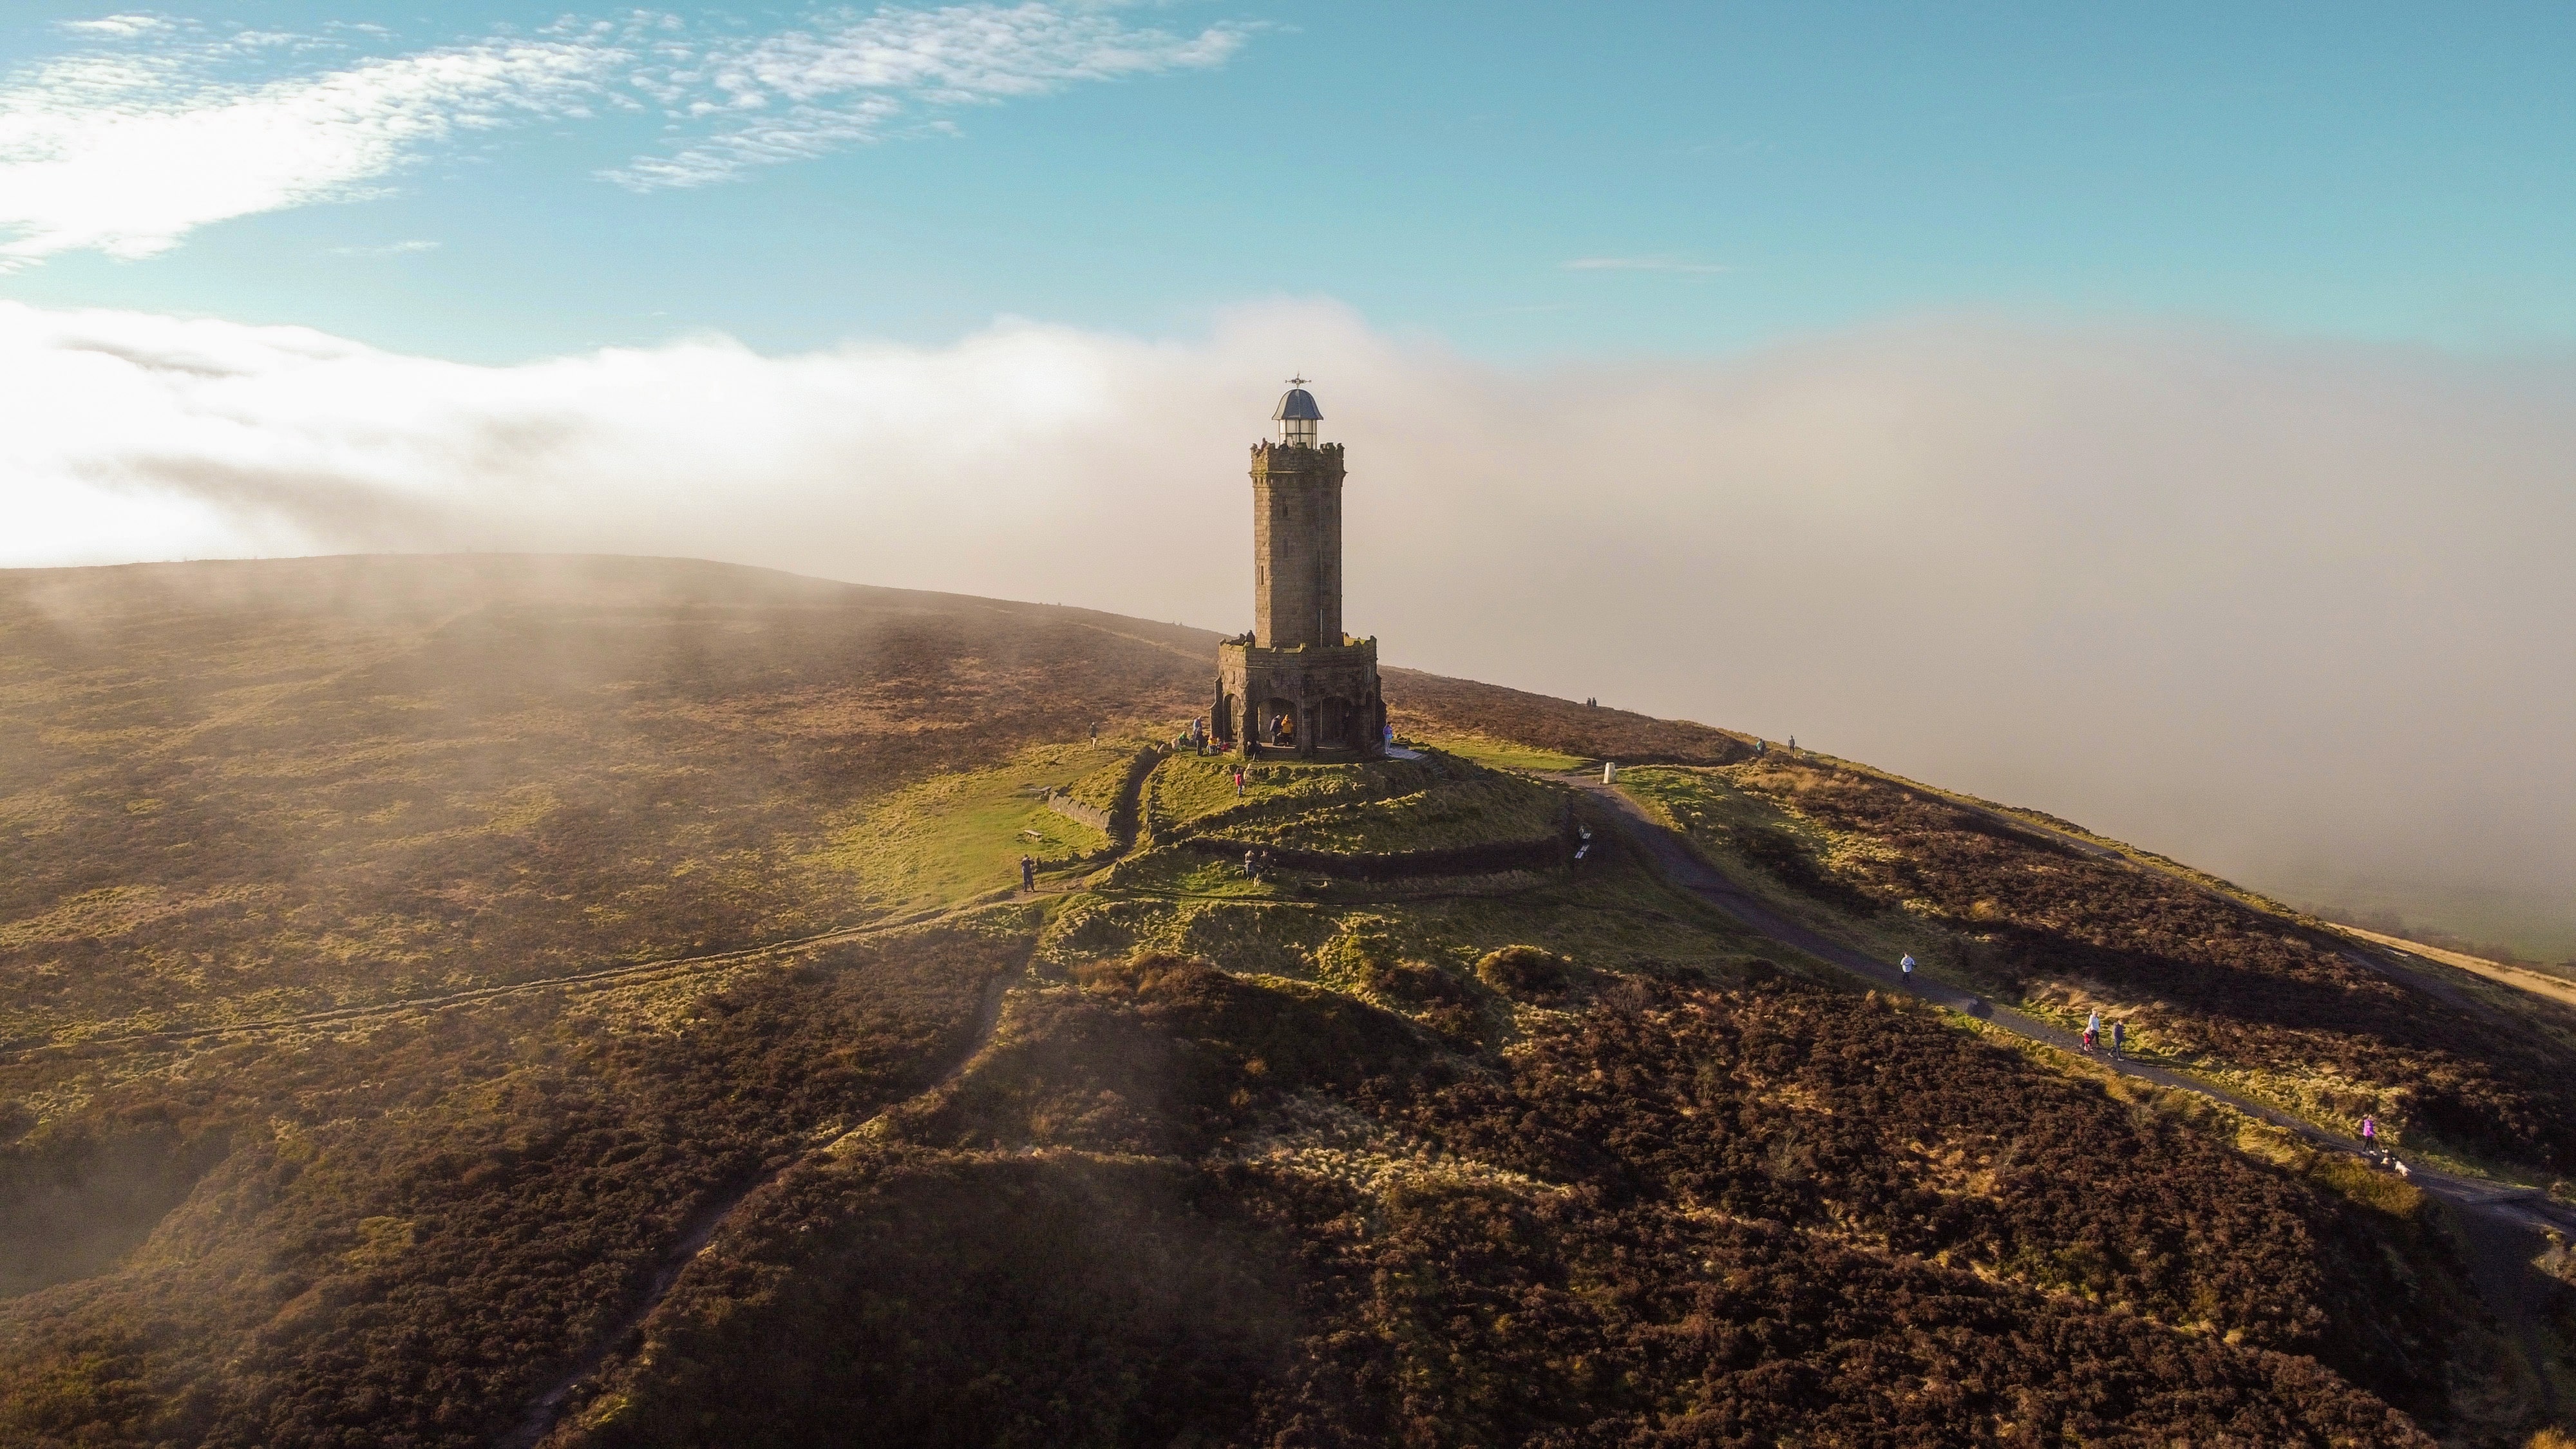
(1333, 724)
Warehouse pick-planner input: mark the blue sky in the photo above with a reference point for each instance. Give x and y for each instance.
(1733, 175)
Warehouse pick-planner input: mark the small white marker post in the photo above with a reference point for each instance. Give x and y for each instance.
(1609, 772)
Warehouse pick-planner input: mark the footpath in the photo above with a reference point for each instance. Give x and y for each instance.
(2502, 1227)
(1674, 859)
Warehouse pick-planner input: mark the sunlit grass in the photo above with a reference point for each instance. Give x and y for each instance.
(1188, 788)
(958, 835)
(1504, 754)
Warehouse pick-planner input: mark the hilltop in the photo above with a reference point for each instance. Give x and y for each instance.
(490, 999)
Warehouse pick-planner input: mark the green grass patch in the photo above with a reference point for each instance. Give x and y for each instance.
(1504, 754)
(1791, 857)
(1617, 917)
(1099, 787)
(1189, 789)
(961, 834)
(1482, 807)
(1708, 807)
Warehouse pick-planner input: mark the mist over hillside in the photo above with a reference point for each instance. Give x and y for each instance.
(595, 1002)
(1901, 774)
(2238, 599)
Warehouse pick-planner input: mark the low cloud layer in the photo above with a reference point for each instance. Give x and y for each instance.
(147, 128)
(2299, 612)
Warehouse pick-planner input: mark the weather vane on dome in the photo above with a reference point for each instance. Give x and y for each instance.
(1296, 382)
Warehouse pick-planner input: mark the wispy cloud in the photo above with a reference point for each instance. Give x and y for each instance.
(117, 25)
(389, 249)
(1642, 264)
(150, 128)
(805, 92)
(125, 149)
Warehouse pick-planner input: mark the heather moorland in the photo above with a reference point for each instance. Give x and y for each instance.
(492, 1000)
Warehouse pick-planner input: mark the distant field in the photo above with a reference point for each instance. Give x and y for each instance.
(2553, 984)
(2457, 916)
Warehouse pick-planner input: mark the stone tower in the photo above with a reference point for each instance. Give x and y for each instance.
(1297, 685)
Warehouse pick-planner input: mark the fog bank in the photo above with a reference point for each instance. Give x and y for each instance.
(2299, 612)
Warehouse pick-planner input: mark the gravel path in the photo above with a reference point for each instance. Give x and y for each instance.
(1680, 864)
(2503, 1226)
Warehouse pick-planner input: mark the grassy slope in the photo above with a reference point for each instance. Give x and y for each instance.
(1372, 1186)
(240, 789)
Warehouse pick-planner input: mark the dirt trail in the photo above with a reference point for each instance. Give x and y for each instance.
(2505, 1220)
(2504, 1225)
(544, 1412)
(547, 1409)
(2393, 965)
(1675, 859)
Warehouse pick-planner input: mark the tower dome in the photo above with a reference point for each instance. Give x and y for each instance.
(1297, 415)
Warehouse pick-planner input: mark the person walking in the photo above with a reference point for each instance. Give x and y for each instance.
(2092, 1031)
(1250, 871)
(1907, 966)
(1028, 874)
(1238, 782)
(2119, 1038)
(2370, 1136)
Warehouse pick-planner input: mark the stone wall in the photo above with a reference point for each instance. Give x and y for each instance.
(1072, 809)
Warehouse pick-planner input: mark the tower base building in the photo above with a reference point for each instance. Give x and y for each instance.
(1313, 701)
(1296, 684)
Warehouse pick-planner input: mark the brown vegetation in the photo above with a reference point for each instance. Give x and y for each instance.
(2247, 987)
(414, 1226)
(1428, 704)
(1421, 1186)
(239, 789)
(1680, 1217)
